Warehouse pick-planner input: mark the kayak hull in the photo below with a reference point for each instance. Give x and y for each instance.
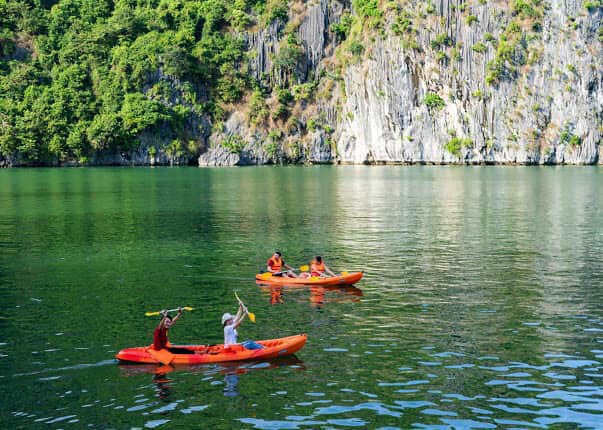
(349, 279)
(200, 354)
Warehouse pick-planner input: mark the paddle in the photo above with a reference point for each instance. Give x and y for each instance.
(306, 268)
(163, 356)
(268, 275)
(150, 314)
(251, 314)
(265, 275)
(316, 278)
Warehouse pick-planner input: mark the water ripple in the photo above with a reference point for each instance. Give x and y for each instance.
(480, 307)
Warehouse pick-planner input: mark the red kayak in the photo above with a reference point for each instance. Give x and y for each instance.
(343, 279)
(198, 354)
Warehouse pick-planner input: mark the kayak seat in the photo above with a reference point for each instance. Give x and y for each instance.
(180, 350)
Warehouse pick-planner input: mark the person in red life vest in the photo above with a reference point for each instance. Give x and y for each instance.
(160, 336)
(276, 264)
(319, 268)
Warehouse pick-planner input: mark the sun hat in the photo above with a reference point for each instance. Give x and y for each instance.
(226, 317)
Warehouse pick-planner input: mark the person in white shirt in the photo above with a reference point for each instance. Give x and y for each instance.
(230, 324)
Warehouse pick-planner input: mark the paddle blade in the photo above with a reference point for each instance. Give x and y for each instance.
(266, 275)
(251, 316)
(163, 356)
(188, 308)
(304, 268)
(150, 314)
(344, 273)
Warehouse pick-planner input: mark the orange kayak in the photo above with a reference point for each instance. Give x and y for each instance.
(198, 354)
(348, 279)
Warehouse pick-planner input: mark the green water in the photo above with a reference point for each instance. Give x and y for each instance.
(481, 304)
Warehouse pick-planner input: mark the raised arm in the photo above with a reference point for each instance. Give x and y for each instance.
(240, 316)
(163, 314)
(178, 315)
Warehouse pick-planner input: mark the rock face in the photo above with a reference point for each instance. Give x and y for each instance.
(466, 82)
(368, 81)
(248, 151)
(320, 149)
(549, 113)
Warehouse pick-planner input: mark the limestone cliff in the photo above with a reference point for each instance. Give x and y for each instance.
(422, 82)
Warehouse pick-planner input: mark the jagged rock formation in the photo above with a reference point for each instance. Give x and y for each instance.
(462, 82)
(518, 120)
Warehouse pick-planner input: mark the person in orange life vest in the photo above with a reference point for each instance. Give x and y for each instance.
(276, 263)
(160, 336)
(319, 268)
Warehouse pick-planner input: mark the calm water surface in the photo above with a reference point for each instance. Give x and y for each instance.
(481, 306)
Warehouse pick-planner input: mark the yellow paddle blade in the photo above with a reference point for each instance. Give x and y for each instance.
(150, 314)
(304, 268)
(251, 314)
(344, 273)
(266, 275)
(188, 308)
(314, 278)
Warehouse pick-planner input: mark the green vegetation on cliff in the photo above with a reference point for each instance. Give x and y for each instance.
(270, 81)
(79, 76)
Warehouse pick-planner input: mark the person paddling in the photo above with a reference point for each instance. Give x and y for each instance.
(319, 268)
(160, 336)
(276, 264)
(230, 324)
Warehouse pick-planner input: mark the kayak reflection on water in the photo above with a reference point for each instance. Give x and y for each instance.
(319, 295)
(231, 371)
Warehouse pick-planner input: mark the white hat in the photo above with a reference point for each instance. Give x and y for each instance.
(226, 317)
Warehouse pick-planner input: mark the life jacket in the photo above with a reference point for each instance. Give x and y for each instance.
(317, 268)
(275, 264)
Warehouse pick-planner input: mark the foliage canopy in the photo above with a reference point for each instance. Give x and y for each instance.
(77, 76)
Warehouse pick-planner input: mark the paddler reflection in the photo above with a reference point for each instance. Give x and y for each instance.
(231, 383)
(163, 386)
(319, 295)
(276, 295)
(232, 373)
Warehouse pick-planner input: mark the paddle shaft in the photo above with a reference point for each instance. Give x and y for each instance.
(251, 314)
(241, 302)
(185, 308)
